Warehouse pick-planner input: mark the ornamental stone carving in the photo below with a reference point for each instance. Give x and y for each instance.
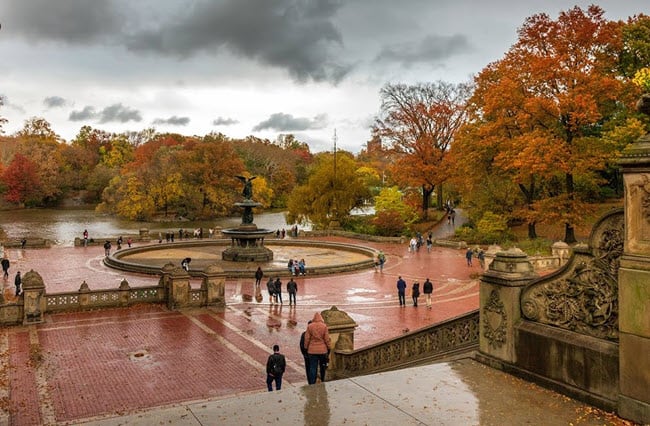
(583, 296)
(495, 320)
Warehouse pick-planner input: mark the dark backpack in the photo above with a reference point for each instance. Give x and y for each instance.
(277, 367)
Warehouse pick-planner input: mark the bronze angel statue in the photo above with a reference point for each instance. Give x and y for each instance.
(248, 186)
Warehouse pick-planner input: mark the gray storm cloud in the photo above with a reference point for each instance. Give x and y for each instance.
(116, 113)
(54, 102)
(298, 36)
(173, 120)
(432, 49)
(70, 21)
(286, 122)
(224, 121)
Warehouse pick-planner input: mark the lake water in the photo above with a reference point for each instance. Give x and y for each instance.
(62, 226)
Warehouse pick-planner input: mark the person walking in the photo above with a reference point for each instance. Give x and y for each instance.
(292, 289)
(382, 259)
(5, 266)
(85, 235)
(415, 293)
(481, 259)
(401, 291)
(278, 289)
(468, 256)
(303, 351)
(317, 342)
(427, 289)
(17, 282)
(270, 286)
(275, 366)
(107, 248)
(258, 276)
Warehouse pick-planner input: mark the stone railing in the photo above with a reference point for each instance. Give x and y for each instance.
(173, 289)
(95, 299)
(452, 337)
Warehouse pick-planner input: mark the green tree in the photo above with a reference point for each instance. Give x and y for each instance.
(333, 189)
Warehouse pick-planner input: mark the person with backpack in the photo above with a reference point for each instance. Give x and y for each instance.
(318, 344)
(275, 366)
(303, 351)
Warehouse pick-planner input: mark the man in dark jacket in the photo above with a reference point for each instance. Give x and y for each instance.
(275, 366)
(278, 289)
(401, 291)
(427, 289)
(292, 289)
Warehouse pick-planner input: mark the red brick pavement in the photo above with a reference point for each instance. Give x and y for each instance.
(120, 360)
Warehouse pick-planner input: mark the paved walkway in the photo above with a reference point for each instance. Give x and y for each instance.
(147, 365)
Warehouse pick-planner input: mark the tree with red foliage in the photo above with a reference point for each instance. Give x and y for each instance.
(21, 180)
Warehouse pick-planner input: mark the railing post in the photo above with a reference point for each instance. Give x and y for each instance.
(33, 298)
(125, 292)
(634, 284)
(177, 285)
(213, 286)
(341, 329)
(499, 298)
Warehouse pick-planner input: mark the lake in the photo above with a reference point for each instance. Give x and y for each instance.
(62, 226)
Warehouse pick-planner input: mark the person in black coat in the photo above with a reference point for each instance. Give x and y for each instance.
(415, 293)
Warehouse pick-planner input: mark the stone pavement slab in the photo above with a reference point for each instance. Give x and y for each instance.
(462, 392)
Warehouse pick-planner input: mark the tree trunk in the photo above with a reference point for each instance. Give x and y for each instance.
(532, 233)
(440, 198)
(569, 234)
(426, 200)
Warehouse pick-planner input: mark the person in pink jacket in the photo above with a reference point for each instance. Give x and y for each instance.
(317, 342)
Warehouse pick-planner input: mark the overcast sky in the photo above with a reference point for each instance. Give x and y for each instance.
(245, 67)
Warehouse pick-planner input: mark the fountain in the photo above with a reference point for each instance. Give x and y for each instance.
(247, 241)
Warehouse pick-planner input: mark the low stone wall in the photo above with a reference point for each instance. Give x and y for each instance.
(173, 289)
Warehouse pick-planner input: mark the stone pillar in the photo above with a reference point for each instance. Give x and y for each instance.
(34, 298)
(213, 286)
(634, 286)
(177, 285)
(562, 251)
(144, 234)
(84, 295)
(500, 308)
(341, 329)
(125, 292)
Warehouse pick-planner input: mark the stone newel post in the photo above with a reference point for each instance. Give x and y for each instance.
(34, 297)
(499, 298)
(341, 329)
(213, 285)
(634, 286)
(176, 282)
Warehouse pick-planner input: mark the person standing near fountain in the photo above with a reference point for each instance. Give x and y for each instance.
(258, 276)
(292, 289)
(278, 289)
(270, 286)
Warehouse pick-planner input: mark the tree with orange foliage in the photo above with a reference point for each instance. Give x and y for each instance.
(539, 110)
(420, 122)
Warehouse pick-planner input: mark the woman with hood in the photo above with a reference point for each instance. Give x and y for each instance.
(317, 342)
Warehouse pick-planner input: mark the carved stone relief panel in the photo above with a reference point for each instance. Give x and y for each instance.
(583, 296)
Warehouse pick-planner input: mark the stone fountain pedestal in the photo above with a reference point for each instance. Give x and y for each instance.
(247, 240)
